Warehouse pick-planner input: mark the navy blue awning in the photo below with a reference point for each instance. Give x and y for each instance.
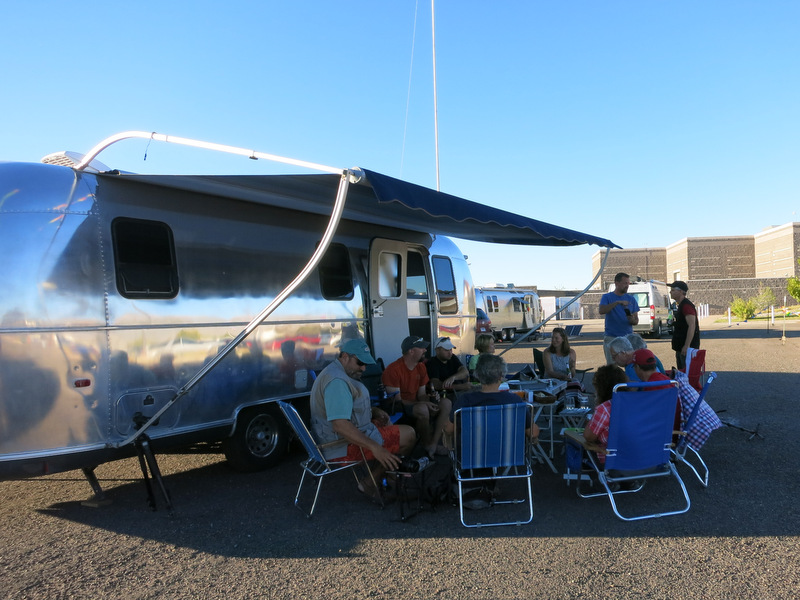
(380, 200)
(457, 217)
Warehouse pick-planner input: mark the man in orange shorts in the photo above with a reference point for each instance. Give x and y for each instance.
(341, 410)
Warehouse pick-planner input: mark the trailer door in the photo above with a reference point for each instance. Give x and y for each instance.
(399, 296)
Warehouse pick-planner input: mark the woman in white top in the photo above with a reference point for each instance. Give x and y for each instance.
(559, 358)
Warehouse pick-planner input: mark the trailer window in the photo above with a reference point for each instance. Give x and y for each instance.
(335, 275)
(445, 285)
(416, 284)
(144, 258)
(389, 275)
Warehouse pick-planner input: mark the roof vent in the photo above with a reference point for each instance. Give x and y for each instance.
(67, 158)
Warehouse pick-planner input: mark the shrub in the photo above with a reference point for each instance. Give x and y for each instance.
(793, 286)
(765, 299)
(744, 309)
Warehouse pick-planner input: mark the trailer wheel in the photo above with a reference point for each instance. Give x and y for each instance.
(259, 441)
(509, 334)
(659, 331)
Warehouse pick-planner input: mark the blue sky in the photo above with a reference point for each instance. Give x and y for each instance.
(641, 121)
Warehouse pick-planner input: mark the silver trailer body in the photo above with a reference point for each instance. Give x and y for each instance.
(118, 290)
(511, 310)
(121, 288)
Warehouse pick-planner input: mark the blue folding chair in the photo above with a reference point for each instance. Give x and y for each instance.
(694, 432)
(639, 444)
(316, 465)
(491, 446)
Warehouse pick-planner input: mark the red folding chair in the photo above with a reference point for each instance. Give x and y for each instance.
(697, 370)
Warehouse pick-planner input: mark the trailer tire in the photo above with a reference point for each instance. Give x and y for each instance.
(259, 440)
(509, 334)
(659, 331)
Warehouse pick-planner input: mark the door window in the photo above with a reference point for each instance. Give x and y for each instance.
(389, 275)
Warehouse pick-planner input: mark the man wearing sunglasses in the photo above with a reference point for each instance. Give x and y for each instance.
(341, 410)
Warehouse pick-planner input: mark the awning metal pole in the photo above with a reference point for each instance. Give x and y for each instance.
(171, 139)
(560, 310)
(316, 257)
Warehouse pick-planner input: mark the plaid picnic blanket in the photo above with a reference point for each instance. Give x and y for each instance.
(706, 419)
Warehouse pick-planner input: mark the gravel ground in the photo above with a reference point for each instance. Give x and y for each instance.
(238, 536)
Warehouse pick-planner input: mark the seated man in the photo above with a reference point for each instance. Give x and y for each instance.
(622, 351)
(638, 342)
(491, 372)
(445, 371)
(341, 410)
(408, 376)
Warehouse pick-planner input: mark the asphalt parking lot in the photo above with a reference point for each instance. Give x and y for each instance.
(238, 536)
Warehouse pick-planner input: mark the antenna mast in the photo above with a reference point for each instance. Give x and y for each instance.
(435, 105)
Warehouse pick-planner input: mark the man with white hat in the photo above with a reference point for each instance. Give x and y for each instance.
(445, 369)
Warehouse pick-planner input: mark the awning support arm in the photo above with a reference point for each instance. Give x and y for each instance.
(160, 137)
(563, 308)
(333, 223)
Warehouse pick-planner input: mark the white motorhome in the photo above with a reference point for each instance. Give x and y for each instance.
(512, 310)
(131, 302)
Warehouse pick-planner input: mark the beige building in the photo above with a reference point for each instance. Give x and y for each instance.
(715, 268)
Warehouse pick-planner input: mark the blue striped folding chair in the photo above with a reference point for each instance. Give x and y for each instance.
(316, 465)
(639, 444)
(490, 447)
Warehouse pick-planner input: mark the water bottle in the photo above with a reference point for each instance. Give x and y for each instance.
(424, 463)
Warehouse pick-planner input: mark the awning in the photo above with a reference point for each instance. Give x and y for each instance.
(381, 200)
(469, 220)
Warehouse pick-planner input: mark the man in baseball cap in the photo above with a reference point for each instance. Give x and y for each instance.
(644, 363)
(341, 410)
(445, 370)
(408, 376)
(686, 330)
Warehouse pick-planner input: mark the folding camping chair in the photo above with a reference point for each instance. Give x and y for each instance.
(694, 433)
(490, 446)
(316, 465)
(696, 367)
(639, 444)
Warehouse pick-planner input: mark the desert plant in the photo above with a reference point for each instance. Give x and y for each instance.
(793, 286)
(744, 309)
(765, 299)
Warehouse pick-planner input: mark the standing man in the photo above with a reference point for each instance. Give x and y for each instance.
(408, 376)
(686, 330)
(621, 312)
(341, 411)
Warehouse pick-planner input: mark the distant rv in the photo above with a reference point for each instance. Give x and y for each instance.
(131, 302)
(512, 310)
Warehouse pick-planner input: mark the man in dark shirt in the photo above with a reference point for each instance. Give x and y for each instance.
(445, 370)
(686, 332)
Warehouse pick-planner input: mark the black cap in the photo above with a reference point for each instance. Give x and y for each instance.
(681, 285)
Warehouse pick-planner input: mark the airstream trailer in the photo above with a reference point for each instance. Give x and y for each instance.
(121, 288)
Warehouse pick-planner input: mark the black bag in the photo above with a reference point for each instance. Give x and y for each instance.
(437, 482)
